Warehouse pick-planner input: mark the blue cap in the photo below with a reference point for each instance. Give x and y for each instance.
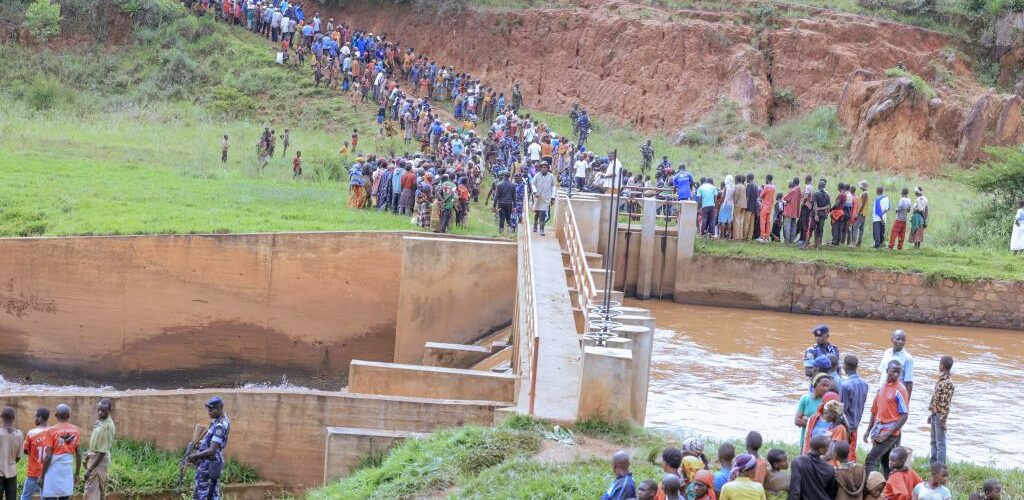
(821, 329)
(822, 363)
(215, 401)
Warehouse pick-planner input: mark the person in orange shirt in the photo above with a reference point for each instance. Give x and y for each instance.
(754, 443)
(889, 413)
(35, 448)
(62, 449)
(767, 203)
(671, 460)
(902, 479)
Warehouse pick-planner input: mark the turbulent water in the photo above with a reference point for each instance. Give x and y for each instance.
(6, 387)
(723, 372)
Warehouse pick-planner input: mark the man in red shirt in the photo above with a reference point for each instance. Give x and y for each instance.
(791, 211)
(62, 449)
(35, 448)
(889, 413)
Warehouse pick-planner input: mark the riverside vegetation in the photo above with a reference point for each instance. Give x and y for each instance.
(139, 468)
(500, 463)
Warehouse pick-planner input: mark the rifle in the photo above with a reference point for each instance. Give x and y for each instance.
(198, 433)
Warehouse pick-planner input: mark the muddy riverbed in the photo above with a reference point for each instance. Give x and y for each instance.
(722, 372)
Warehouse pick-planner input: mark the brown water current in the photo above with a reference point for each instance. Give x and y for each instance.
(722, 372)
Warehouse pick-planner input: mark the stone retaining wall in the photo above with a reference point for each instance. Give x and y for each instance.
(816, 289)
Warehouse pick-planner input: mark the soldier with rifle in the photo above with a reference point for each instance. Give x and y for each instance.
(207, 453)
(647, 154)
(517, 98)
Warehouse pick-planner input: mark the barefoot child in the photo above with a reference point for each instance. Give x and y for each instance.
(297, 165)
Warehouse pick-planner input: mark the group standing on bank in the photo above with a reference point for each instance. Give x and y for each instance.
(829, 415)
(59, 460)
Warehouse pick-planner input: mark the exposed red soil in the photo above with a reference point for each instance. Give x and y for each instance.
(664, 69)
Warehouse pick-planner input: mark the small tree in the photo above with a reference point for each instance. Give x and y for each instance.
(1002, 176)
(43, 19)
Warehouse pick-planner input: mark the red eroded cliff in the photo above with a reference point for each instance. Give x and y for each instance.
(664, 69)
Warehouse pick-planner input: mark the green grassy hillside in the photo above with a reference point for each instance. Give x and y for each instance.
(125, 139)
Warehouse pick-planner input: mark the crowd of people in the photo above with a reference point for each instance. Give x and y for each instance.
(402, 85)
(829, 415)
(58, 459)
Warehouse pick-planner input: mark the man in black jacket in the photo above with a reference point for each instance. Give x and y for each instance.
(753, 190)
(504, 201)
(812, 478)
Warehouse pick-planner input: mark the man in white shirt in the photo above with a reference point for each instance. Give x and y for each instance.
(614, 170)
(580, 172)
(898, 353)
(878, 216)
(534, 154)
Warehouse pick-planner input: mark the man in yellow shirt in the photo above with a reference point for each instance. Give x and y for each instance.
(97, 460)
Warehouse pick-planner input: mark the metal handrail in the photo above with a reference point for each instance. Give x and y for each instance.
(582, 278)
(525, 339)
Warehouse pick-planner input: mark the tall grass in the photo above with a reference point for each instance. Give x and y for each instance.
(423, 465)
(140, 468)
(506, 467)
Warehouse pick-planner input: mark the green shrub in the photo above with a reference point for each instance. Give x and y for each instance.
(917, 82)
(43, 19)
(232, 102)
(43, 94)
(784, 96)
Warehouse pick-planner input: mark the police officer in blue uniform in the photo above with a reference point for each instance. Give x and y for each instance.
(209, 458)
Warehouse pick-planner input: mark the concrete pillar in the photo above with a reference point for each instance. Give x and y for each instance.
(645, 271)
(587, 210)
(641, 347)
(687, 231)
(606, 385)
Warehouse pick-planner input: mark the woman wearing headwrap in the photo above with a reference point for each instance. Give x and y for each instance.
(690, 467)
(694, 447)
(828, 420)
(809, 403)
(703, 486)
(741, 485)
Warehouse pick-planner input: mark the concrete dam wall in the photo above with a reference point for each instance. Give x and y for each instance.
(858, 293)
(173, 311)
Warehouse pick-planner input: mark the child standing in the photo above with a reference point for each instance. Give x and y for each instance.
(726, 454)
(754, 442)
(850, 476)
(297, 165)
(776, 483)
(935, 488)
(355, 139)
(902, 479)
(285, 142)
(224, 149)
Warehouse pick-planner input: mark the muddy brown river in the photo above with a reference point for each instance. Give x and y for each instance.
(722, 372)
